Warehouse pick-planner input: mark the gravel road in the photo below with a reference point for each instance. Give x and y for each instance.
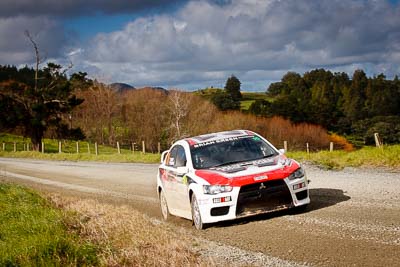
(353, 218)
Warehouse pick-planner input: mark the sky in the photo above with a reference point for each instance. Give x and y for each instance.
(200, 43)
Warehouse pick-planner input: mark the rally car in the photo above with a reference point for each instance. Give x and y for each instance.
(228, 175)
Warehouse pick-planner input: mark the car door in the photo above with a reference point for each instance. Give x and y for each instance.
(177, 195)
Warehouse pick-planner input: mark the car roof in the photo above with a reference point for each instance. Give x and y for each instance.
(212, 137)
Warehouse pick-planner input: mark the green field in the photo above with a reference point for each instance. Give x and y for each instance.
(33, 233)
(387, 157)
(69, 152)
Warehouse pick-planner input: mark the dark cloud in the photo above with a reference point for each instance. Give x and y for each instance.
(203, 42)
(11, 8)
(15, 47)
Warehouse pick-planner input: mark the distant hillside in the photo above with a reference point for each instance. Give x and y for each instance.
(121, 87)
(154, 88)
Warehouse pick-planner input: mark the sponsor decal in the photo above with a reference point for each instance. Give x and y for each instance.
(222, 140)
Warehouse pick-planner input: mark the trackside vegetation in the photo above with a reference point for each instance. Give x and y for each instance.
(387, 157)
(56, 230)
(33, 233)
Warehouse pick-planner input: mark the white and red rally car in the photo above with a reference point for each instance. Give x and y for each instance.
(228, 175)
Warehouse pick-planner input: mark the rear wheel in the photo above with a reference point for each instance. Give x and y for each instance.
(196, 217)
(164, 206)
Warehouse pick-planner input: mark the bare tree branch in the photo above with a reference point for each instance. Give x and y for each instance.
(37, 56)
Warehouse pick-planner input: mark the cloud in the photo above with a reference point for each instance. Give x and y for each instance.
(201, 43)
(253, 39)
(15, 47)
(72, 8)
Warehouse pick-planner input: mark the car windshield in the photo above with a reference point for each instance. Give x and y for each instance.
(214, 154)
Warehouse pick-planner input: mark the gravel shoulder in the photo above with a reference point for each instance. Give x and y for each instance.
(353, 218)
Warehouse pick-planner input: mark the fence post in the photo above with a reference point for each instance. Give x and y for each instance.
(143, 147)
(27, 146)
(96, 149)
(285, 145)
(15, 146)
(88, 147)
(159, 147)
(4, 146)
(133, 148)
(77, 147)
(378, 142)
(119, 150)
(42, 147)
(331, 146)
(59, 147)
(308, 149)
(24, 146)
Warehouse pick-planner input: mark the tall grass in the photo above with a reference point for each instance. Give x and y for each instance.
(388, 156)
(32, 233)
(128, 238)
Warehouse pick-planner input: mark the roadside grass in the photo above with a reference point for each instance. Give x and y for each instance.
(129, 238)
(105, 153)
(130, 158)
(32, 233)
(70, 231)
(388, 157)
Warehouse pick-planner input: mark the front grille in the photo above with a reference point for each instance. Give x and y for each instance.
(301, 195)
(263, 197)
(219, 211)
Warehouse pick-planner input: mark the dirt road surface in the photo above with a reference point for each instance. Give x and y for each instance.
(353, 218)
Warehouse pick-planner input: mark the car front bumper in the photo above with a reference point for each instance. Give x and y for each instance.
(261, 197)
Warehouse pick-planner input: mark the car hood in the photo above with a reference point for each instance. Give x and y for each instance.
(249, 173)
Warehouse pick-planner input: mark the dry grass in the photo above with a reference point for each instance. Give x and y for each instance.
(128, 238)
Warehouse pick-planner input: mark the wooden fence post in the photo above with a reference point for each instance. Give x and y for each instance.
(308, 149)
(159, 147)
(15, 146)
(59, 147)
(331, 146)
(133, 148)
(88, 147)
(77, 147)
(96, 148)
(42, 147)
(4, 146)
(118, 148)
(285, 145)
(378, 142)
(24, 146)
(27, 146)
(143, 147)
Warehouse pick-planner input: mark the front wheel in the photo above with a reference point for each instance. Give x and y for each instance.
(164, 206)
(196, 217)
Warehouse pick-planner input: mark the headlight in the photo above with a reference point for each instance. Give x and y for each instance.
(299, 173)
(216, 189)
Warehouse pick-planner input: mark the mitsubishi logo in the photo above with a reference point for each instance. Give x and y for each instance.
(262, 186)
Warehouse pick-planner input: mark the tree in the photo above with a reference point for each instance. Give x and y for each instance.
(224, 101)
(40, 103)
(232, 87)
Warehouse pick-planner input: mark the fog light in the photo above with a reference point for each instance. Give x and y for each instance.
(222, 199)
(298, 186)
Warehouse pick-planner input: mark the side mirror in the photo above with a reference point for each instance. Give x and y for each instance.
(181, 171)
(163, 156)
(281, 151)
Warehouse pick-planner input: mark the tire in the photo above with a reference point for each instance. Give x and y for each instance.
(164, 206)
(196, 217)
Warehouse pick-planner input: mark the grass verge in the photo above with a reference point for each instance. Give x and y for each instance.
(33, 233)
(70, 231)
(129, 238)
(137, 157)
(388, 156)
